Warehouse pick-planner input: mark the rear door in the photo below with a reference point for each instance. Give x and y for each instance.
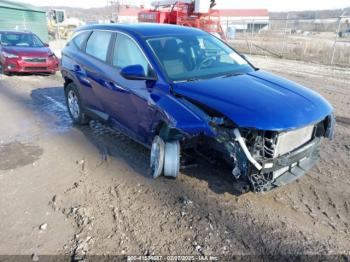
(74, 59)
(96, 65)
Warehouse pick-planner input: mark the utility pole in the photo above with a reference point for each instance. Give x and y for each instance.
(285, 35)
(115, 9)
(336, 37)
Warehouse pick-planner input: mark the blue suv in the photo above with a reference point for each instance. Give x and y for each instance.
(179, 90)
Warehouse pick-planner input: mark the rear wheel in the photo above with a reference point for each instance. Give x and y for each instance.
(74, 105)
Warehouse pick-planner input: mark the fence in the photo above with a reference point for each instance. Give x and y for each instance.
(324, 41)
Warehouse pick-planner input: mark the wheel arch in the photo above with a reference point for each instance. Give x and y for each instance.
(175, 120)
(166, 132)
(68, 79)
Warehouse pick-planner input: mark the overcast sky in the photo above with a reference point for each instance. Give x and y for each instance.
(272, 5)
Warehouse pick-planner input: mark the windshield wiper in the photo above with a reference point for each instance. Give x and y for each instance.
(232, 74)
(193, 79)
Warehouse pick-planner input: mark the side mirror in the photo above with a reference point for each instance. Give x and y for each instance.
(136, 72)
(46, 45)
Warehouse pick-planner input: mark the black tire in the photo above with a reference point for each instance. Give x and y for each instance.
(79, 118)
(1, 70)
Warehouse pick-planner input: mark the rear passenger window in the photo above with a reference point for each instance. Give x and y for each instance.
(97, 45)
(127, 53)
(79, 39)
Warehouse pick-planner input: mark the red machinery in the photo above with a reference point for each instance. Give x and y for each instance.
(193, 13)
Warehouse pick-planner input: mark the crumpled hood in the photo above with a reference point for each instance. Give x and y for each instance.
(259, 100)
(28, 51)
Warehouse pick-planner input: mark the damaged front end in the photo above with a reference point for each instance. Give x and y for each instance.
(260, 159)
(268, 159)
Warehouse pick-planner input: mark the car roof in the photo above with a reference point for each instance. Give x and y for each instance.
(145, 29)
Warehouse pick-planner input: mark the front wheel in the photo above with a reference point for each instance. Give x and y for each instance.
(157, 157)
(165, 158)
(172, 159)
(2, 70)
(74, 105)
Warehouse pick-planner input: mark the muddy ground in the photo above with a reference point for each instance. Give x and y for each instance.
(76, 191)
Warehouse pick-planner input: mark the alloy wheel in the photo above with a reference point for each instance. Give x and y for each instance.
(73, 104)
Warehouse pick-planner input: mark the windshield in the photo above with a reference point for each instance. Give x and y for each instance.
(192, 57)
(20, 40)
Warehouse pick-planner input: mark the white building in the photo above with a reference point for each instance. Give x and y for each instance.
(244, 19)
(129, 15)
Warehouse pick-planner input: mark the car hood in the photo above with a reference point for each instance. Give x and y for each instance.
(258, 100)
(28, 51)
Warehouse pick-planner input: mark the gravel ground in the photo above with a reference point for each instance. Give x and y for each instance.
(87, 191)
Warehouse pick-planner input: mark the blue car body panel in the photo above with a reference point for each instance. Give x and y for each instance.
(256, 100)
(259, 100)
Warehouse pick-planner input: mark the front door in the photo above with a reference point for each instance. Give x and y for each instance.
(128, 100)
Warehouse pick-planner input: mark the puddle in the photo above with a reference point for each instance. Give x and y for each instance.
(51, 106)
(16, 154)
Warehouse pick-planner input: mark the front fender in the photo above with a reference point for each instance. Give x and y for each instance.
(177, 115)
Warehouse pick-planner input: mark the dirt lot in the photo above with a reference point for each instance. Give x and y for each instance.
(315, 47)
(76, 191)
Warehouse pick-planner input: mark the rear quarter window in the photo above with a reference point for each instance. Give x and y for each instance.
(79, 39)
(97, 44)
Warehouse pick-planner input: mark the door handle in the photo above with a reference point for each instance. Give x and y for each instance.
(116, 87)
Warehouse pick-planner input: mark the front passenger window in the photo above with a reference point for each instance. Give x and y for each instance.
(127, 53)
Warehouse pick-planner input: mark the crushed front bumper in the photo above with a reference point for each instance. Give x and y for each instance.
(287, 168)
